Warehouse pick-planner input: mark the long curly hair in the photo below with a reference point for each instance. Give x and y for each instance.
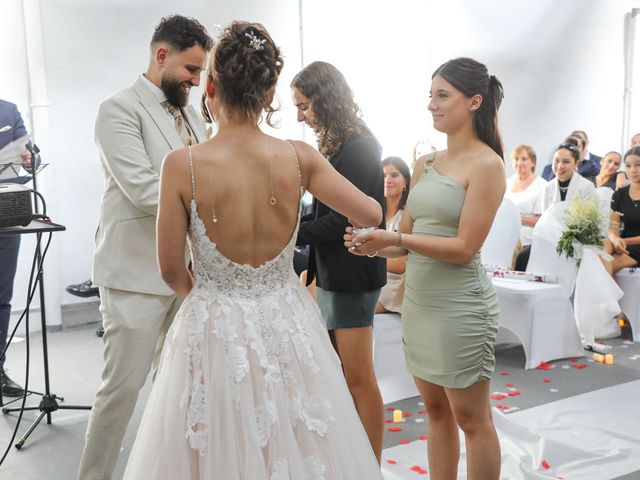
(336, 114)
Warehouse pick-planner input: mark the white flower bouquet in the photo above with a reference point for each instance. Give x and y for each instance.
(584, 227)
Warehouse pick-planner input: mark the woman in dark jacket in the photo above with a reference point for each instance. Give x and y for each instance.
(348, 286)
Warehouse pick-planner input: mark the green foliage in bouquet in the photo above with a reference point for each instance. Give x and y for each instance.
(584, 219)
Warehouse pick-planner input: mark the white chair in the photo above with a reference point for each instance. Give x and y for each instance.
(594, 293)
(629, 281)
(394, 381)
(540, 315)
(604, 195)
(544, 259)
(503, 237)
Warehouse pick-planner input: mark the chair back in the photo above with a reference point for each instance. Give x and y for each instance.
(544, 258)
(503, 237)
(604, 194)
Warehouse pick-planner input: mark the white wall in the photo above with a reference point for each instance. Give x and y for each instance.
(94, 48)
(561, 64)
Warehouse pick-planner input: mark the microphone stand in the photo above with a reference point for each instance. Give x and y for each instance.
(49, 401)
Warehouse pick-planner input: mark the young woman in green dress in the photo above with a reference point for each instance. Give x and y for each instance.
(450, 308)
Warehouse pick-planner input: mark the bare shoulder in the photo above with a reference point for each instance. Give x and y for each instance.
(176, 162)
(304, 151)
(488, 163)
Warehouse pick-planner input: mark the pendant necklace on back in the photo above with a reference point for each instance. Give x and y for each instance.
(272, 199)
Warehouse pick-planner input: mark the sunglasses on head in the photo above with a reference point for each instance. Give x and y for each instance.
(569, 146)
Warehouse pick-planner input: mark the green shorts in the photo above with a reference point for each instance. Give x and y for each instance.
(347, 309)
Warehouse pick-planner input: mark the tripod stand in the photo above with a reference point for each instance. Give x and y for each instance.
(49, 402)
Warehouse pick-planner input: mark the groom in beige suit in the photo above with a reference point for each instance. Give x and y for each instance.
(135, 129)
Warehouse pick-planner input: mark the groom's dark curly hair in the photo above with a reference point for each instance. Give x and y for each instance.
(181, 33)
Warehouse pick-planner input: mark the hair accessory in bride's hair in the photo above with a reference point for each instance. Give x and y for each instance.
(254, 41)
(218, 32)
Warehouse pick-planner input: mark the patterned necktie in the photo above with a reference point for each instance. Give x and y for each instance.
(182, 127)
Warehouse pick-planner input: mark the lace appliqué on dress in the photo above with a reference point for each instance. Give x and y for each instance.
(314, 467)
(280, 470)
(315, 412)
(194, 393)
(265, 416)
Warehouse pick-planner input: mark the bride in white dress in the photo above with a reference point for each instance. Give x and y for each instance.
(249, 386)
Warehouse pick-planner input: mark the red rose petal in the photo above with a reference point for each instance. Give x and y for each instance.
(502, 406)
(388, 420)
(544, 366)
(546, 380)
(573, 360)
(407, 414)
(405, 442)
(505, 374)
(498, 397)
(579, 365)
(390, 409)
(515, 393)
(424, 437)
(422, 412)
(391, 462)
(394, 429)
(508, 384)
(545, 465)
(416, 468)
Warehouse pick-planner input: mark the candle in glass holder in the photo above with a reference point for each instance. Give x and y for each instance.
(397, 416)
(608, 359)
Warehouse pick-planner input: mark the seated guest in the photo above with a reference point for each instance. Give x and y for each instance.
(566, 186)
(523, 188)
(624, 230)
(397, 180)
(623, 181)
(609, 166)
(589, 163)
(547, 173)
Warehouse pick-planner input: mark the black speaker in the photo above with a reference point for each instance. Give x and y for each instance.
(15, 205)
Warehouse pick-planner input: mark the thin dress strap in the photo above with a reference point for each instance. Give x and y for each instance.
(295, 155)
(193, 178)
(430, 159)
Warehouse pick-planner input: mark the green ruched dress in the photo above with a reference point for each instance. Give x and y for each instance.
(450, 311)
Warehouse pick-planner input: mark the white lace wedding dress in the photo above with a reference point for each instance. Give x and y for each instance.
(249, 386)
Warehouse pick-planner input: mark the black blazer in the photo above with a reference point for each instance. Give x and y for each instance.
(335, 269)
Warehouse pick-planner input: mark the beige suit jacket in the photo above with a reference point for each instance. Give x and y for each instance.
(133, 134)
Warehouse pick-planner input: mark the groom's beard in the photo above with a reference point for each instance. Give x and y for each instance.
(176, 93)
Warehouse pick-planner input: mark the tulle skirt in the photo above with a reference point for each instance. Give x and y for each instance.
(250, 388)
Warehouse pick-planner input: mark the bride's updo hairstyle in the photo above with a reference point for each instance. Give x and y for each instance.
(472, 78)
(245, 66)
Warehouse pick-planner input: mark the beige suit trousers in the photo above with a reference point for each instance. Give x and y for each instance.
(135, 325)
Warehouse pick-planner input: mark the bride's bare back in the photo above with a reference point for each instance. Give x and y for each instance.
(253, 186)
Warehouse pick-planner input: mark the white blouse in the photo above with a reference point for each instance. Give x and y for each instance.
(579, 187)
(528, 201)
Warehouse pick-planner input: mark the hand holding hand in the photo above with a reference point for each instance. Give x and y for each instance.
(368, 242)
(620, 246)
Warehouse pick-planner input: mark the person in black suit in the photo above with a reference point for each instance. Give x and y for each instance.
(589, 166)
(11, 128)
(347, 286)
